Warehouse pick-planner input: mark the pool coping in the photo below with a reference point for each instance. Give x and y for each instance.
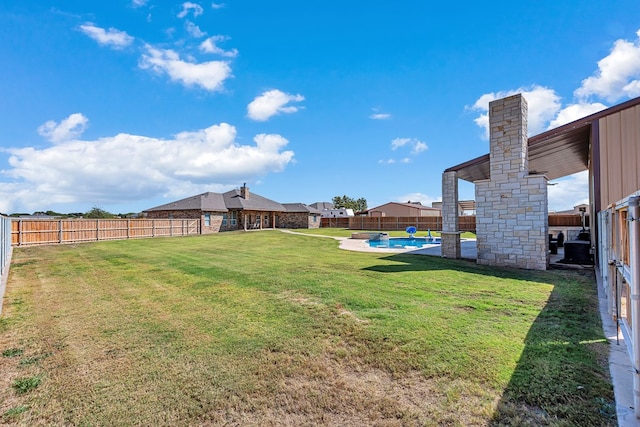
(468, 246)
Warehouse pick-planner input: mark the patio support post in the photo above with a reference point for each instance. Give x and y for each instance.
(634, 263)
(450, 239)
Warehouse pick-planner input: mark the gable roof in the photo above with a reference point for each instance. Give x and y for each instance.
(233, 200)
(322, 205)
(416, 205)
(206, 202)
(300, 207)
(556, 153)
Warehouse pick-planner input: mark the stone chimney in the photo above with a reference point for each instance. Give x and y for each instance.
(244, 191)
(511, 207)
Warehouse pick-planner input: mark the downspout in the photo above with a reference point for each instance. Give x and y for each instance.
(634, 262)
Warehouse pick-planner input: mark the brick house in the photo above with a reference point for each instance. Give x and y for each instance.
(299, 215)
(237, 209)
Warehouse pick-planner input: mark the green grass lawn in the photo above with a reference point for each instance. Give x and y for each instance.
(267, 328)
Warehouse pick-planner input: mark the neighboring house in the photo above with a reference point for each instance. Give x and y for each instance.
(577, 210)
(298, 215)
(512, 195)
(322, 206)
(465, 207)
(328, 210)
(237, 209)
(395, 209)
(338, 213)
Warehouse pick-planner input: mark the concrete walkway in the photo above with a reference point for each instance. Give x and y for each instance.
(619, 364)
(619, 360)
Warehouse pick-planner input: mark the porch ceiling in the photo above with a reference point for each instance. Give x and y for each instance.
(556, 153)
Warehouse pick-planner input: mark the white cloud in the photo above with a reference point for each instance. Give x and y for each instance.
(574, 112)
(419, 147)
(126, 167)
(68, 129)
(139, 3)
(190, 7)
(208, 75)
(194, 30)
(415, 144)
(543, 104)
(209, 46)
(111, 37)
(633, 89)
(425, 199)
(569, 191)
(380, 116)
(217, 5)
(618, 73)
(399, 142)
(272, 102)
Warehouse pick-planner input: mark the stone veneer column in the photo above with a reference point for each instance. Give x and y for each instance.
(450, 240)
(511, 207)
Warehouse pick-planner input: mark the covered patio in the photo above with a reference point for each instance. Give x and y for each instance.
(511, 186)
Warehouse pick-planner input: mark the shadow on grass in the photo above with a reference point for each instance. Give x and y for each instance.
(562, 375)
(405, 262)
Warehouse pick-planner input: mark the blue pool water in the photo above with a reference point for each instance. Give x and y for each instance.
(404, 242)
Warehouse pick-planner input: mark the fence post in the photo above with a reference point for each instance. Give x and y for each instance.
(19, 232)
(60, 231)
(128, 228)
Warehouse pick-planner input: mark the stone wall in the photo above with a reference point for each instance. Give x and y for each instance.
(511, 207)
(450, 236)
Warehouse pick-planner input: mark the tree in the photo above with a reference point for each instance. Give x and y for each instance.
(97, 213)
(350, 203)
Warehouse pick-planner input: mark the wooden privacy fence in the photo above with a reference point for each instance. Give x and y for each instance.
(424, 223)
(334, 223)
(557, 220)
(25, 232)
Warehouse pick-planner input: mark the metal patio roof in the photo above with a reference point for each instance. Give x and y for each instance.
(556, 153)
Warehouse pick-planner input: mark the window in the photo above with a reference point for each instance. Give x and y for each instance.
(624, 236)
(224, 220)
(234, 218)
(207, 220)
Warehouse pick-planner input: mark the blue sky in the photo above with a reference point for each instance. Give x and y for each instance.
(129, 104)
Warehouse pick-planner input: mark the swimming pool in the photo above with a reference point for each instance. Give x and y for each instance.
(404, 242)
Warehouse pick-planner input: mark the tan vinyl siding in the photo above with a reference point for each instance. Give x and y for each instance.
(619, 155)
(401, 209)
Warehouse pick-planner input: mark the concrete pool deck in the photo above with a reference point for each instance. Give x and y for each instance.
(467, 246)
